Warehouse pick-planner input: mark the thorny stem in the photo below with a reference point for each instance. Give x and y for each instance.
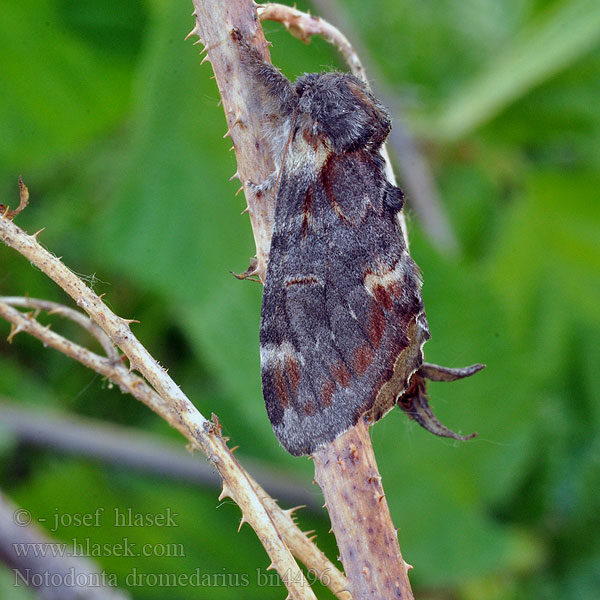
(215, 20)
(347, 473)
(346, 468)
(168, 401)
(54, 308)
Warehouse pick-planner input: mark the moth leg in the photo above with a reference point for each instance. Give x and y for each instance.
(276, 90)
(266, 186)
(251, 273)
(438, 373)
(415, 404)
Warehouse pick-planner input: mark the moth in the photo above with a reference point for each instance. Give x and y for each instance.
(342, 322)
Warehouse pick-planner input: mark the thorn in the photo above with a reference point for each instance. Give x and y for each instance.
(220, 102)
(225, 494)
(309, 532)
(238, 121)
(239, 190)
(232, 148)
(290, 511)
(312, 537)
(204, 60)
(271, 566)
(214, 76)
(236, 175)
(408, 567)
(35, 235)
(232, 450)
(227, 134)
(242, 521)
(190, 34)
(14, 329)
(101, 295)
(247, 209)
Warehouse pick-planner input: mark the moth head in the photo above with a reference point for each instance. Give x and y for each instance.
(340, 106)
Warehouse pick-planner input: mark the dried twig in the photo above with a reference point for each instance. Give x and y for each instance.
(23, 202)
(54, 308)
(347, 473)
(166, 398)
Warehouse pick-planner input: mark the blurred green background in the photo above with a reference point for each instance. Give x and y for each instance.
(115, 128)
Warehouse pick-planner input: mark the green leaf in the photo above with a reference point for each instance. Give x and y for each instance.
(551, 43)
(57, 92)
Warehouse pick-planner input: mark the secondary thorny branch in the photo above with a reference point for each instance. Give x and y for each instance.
(275, 527)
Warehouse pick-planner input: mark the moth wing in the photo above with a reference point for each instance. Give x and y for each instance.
(342, 323)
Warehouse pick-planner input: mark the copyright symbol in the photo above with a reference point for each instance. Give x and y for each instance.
(22, 517)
